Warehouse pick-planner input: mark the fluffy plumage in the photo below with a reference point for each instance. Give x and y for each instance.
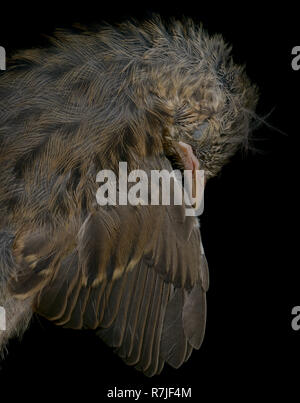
(138, 275)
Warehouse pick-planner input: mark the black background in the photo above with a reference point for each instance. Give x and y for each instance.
(249, 229)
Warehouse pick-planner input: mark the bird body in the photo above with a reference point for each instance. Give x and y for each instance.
(134, 92)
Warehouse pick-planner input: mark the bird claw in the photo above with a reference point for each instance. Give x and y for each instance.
(190, 161)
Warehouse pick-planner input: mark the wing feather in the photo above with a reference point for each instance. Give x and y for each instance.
(136, 274)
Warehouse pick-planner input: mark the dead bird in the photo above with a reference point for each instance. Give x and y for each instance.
(152, 94)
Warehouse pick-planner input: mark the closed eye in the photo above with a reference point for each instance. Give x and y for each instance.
(198, 133)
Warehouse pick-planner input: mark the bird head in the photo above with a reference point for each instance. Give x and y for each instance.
(188, 80)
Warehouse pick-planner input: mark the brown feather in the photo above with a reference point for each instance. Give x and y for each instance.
(137, 274)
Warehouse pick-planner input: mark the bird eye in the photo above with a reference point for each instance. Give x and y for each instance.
(198, 133)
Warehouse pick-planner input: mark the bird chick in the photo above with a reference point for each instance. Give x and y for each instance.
(153, 94)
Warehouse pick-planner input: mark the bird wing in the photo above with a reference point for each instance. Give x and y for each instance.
(136, 274)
